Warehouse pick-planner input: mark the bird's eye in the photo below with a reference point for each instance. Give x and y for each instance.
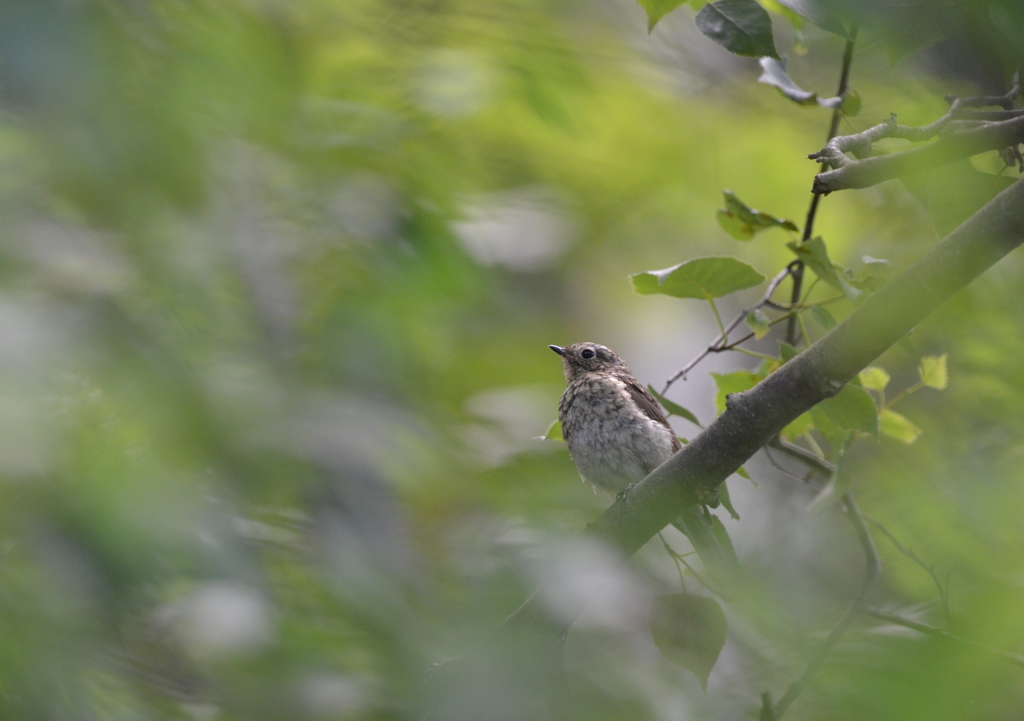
(587, 354)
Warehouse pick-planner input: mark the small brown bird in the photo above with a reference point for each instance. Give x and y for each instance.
(615, 430)
(617, 434)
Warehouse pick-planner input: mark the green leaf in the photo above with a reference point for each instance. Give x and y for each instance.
(758, 323)
(803, 423)
(850, 106)
(773, 72)
(742, 473)
(554, 433)
(832, 431)
(743, 222)
(899, 427)
(820, 13)
(823, 317)
(674, 409)
(787, 352)
(852, 409)
(723, 496)
(740, 26)
(733, 383)
(814, 254)
(933, 371)
(689, 631)
(705, 278)
(657, 9)
(874, 378)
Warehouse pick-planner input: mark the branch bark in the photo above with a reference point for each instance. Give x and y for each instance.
(850, 174)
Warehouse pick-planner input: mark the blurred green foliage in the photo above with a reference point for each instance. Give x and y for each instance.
(278, 281)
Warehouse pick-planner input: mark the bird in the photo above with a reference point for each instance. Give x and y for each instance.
(615, 430)
(617, 434)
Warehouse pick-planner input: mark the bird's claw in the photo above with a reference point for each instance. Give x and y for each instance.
(625, 491)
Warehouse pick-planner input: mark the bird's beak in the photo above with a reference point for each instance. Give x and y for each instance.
(557, 349)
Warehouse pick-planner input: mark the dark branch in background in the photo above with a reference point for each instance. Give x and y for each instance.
(718, 344)
(754, 417)
(962, 133)
(812, 211)
(802, 454)
(943, 590)
(873, 567)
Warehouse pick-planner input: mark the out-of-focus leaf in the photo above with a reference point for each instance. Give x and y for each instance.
(954, 192)
(705, 278)
(850, 106)
(993, 163)
(733, 383)
(689, 631)
(898, 426)
(823, 317)
(815, 255)
(874, 378)
(657, 9)
(933, 371)
(723, 496)
(743, 222)
(832, 431)
(740, 26)
(674, 408)
(787, 352)
(773, 72)
(758, 323)
(742, 473)
(774, 6)
(852, 409)
(554, 432)
(820, 13)
(803, 423)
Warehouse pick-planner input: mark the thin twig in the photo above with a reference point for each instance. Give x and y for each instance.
(718, 344)
(812, 211)
(909, 553)
(802, 454)
(1015, 659)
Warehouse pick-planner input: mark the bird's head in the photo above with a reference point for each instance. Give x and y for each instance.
(582, 358)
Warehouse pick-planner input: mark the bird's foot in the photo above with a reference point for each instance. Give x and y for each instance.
(625, 492)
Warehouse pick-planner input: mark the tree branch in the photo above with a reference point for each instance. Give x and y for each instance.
(850, 173)
(964, 132)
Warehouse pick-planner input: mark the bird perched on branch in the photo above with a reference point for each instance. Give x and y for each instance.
(617, 434)
(615, 430)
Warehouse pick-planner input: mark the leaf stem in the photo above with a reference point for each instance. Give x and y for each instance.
(903, 394)
(721, 325)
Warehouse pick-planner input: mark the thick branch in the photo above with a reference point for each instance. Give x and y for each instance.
(850, 173)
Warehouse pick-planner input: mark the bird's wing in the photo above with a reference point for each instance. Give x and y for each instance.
(650, 408)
